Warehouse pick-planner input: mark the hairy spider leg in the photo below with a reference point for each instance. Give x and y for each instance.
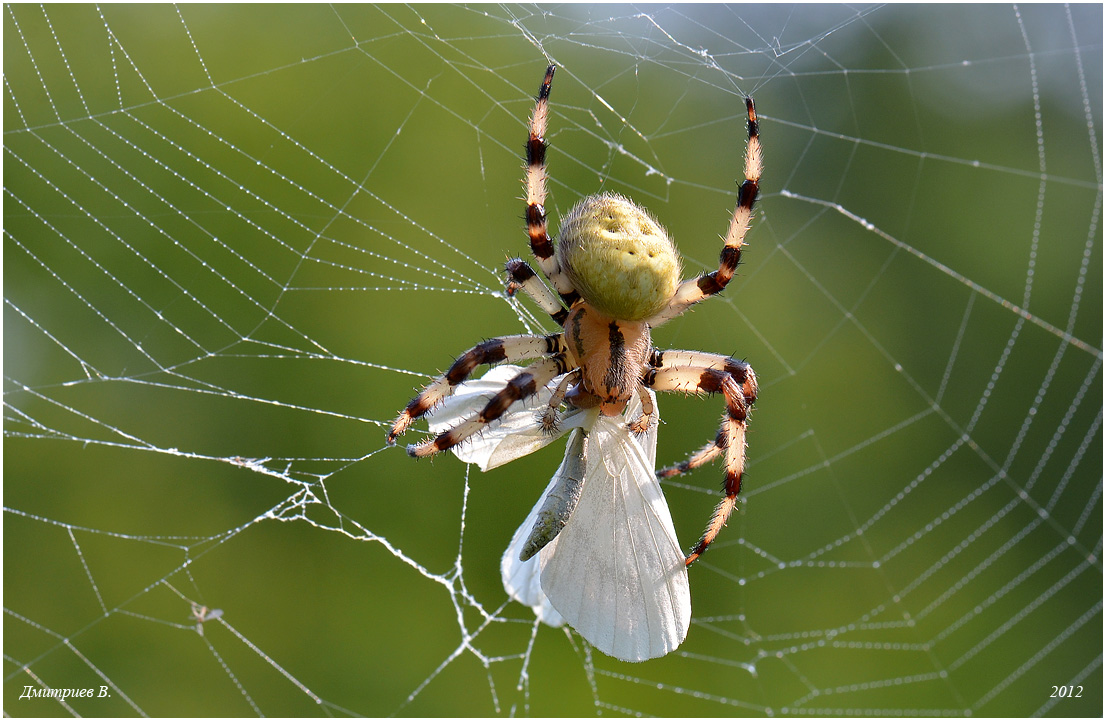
(694, 290)
(549, 415)
(742, 373)
(525, 384)
(521, 276)
(512, 348)
(641, 424)
(699, 380)
(535, 181)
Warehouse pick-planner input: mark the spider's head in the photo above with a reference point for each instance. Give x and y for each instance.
(618, 257)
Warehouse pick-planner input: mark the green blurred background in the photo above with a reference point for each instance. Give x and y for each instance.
(238, 238)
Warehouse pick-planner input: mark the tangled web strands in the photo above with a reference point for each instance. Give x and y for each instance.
(235, 241)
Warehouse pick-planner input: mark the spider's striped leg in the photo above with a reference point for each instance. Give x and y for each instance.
(549, 416)
(641, 424)
(522, 386)
(694, 290)
(536, 226)
(521, 275)
(731, 437)
(512, 348)
(742, 373)
(704, 455)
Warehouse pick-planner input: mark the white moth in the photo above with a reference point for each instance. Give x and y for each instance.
(598, 550)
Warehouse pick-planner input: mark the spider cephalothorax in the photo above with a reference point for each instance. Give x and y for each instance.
(616, 274)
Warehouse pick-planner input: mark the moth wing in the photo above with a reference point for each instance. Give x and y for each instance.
(522, 579)
(616, 572)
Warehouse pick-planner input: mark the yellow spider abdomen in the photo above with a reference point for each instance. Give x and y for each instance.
(618, 257)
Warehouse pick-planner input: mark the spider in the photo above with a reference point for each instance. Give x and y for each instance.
(616, 274)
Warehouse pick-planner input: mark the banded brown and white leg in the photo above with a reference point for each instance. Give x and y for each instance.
(641, 424)
(742, 373)
(549, 415)
(693, 290)
(522, 386)
(731, 437)
(536, 224)
(511, 348)
(740, 370)
(704, 455)
(521, 276)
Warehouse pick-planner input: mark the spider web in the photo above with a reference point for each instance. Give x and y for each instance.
(236, 239)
